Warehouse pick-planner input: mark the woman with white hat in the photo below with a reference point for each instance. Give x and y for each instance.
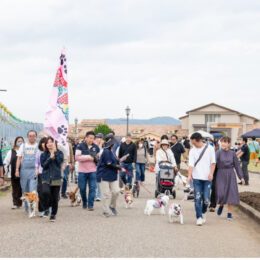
(107, 174)
(165, 155)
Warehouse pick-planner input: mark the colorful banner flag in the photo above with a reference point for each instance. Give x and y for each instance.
(57, 116)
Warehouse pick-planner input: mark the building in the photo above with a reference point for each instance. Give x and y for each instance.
(137, 131)
(218, 119)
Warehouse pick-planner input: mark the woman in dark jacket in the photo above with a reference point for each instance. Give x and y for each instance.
(107, 173)
(10, 166)
(51, 161)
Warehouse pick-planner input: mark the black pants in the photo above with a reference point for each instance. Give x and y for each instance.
(245, 171)
(51, 197)
(39, 190)
(16, 192)
(213, 192)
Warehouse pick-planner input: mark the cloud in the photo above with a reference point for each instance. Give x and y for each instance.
(158, 57)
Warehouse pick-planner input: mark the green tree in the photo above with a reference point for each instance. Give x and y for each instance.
(102, 128)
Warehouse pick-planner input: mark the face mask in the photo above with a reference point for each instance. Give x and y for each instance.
(19, 144)
(140, 145)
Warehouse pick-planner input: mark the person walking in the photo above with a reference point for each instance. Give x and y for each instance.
(10, 166)
(25, 165)
(1, 170)
(177, 149)
(127, 156)
(87, 156)
(39, 169)
(254, 150)
(99, 142)
(51, 162)
(243, 154)
(141, 160)
(107, 174)
(202, 162)
(226, 184)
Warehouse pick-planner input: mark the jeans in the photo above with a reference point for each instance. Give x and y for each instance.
(140, 172)
(28, 185)
(201, 196)
(98, 193)
(91, 179)
(51, 198)
(126, 178)
(65, 180)
(245, 171)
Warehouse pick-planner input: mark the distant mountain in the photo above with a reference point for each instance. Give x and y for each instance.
(164, 120)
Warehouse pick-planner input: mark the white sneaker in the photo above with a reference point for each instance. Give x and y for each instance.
(199, 222)
(14, 207)
(203, 218)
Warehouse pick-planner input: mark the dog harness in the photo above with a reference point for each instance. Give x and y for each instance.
(158, 204)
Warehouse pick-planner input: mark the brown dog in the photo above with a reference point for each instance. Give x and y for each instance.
(32, 200)
(128, 196)
(75, 198)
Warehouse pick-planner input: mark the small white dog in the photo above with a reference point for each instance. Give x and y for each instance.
(180, 179)
(160, 203)
(175, 212)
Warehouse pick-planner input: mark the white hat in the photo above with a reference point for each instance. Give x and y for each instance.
(165, 141)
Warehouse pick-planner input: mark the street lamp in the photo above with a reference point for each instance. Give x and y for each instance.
(76, 127)
(127, 110)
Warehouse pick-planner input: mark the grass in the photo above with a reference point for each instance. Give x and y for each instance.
(252, 168)
(2, 193)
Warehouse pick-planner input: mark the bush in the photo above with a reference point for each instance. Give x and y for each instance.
(102, 128)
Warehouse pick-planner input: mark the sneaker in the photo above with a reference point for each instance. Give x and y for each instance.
(84, 206)
(90, 209)
(64, 196)
(203, 218)
(114, 211)
(52, 218)
(14, 207)
(41, 214)
(220, 209)
(199, 222)
(229, 216)
(122, 191)
(46, 214)
(211, 209)
(106, 215)
(98, 199)
(240, 183)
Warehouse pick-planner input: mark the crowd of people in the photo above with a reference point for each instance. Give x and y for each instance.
(106, 165)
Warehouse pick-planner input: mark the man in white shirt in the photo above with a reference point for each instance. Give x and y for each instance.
(202, 162)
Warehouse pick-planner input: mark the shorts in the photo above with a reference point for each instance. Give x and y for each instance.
(253, 156)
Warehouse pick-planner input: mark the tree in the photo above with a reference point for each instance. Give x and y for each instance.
(102, 128)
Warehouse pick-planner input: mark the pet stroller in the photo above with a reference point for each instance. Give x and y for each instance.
(165, 180)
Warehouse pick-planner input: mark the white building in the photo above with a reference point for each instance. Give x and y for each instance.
(214, 118)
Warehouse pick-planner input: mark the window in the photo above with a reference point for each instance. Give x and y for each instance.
(212, 118)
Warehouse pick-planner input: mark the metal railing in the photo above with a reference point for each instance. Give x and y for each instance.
(11, 127)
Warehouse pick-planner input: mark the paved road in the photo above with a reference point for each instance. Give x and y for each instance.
(79, 233)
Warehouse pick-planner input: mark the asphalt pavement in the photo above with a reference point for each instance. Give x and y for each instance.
(80, 233)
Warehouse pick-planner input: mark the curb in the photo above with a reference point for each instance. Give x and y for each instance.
(5, 188)
(251, 212)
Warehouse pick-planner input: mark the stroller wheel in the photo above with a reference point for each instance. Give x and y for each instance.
(156, 194)
(174, 194)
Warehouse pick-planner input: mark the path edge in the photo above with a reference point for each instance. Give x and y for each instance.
(250, 211)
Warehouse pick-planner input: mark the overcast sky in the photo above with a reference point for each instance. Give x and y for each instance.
(162, 58)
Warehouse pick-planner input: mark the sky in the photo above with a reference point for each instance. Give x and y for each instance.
(162, 58)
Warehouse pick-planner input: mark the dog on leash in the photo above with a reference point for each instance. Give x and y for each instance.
(32, 199)
(75, 198)
(175, 212)
(180, 179)
(136, 189)
(128, 196)
(160, 203)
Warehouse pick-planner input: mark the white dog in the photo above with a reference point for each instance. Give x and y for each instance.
(175, 212)
(160, 203)
(180, 179)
